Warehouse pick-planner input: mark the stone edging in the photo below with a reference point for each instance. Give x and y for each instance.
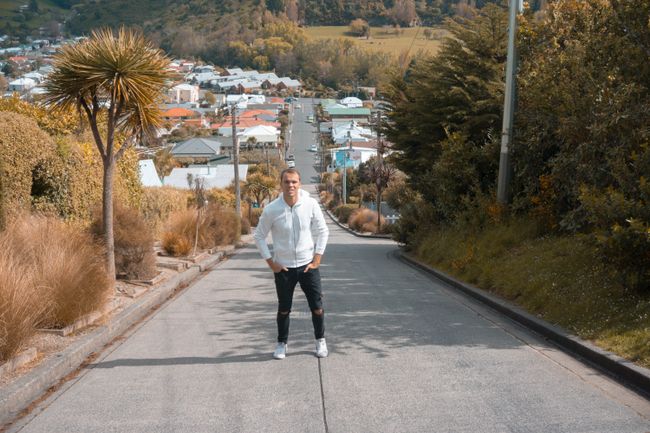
(18, 395)
(625, 372)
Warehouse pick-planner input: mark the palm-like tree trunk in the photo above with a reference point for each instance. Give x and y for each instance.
(107, 215)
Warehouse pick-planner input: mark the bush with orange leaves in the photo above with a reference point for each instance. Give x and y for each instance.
(364, 220)
(135, 258)
(20, 305)
(64, 263)
(217, 225)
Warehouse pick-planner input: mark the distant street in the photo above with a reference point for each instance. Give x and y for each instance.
(407, 355)
(303, 135)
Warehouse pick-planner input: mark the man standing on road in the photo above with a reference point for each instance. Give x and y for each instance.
(295, 220)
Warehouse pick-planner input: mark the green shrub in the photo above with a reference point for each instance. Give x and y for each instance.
(627, 250)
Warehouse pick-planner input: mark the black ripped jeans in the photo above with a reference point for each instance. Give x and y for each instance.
(285, 284)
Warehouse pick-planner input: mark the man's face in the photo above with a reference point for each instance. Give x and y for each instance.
(290, 184)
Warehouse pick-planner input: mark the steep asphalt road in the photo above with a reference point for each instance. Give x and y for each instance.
(406, 355)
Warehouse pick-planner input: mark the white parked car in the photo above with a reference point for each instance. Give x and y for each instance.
(313, 148)
(291, 164)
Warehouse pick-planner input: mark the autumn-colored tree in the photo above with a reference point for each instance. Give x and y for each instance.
(360, 27)
(403, 12)
(116, 81)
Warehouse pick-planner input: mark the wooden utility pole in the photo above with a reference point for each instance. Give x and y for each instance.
(235, 147)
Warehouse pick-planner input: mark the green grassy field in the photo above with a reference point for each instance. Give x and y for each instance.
(411, 39)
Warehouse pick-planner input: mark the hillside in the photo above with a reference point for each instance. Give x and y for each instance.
(165, 18)
(33, 17)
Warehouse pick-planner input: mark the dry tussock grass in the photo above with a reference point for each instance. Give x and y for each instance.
(216, 226)
(364, 220)
(65, 265)
(20, 305)
(134, 254)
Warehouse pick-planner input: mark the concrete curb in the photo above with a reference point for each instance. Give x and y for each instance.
(625, 372)
(19, 394)
(349, 230)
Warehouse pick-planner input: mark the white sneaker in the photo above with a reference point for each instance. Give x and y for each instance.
(280, 351)
(321, 348)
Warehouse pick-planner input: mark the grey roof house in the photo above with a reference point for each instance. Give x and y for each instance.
(197, 148)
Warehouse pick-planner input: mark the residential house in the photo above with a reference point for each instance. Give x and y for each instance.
(22, 85)
(249, 86)
(346, 132)
(347, 114)
(183, 116)
(352, 102)
(214, 176)
(266, 115)
(204, 69)
(183, 93)
(36, 76)
(234, 71)
(288, 84)
(148, 173)
(351, 156)
(197, 148)
(261, 135)
(225, 128)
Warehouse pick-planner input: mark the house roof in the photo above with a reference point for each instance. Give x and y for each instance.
(351, 100)
(184, 86)
(197, 147)
(23, 82)
(254, 114)
(193, 122)
(337, 111)
(261, 130)
(180, 112)
(245, 123)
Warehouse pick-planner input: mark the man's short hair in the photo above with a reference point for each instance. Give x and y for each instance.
(289, 170)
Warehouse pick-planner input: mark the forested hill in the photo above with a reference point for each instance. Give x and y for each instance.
(163, 15)
(164, 18)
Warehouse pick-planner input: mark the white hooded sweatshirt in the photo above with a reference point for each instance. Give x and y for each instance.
(293, 230)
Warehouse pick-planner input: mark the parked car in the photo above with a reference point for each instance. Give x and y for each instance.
(291, 163)
(313, 148)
